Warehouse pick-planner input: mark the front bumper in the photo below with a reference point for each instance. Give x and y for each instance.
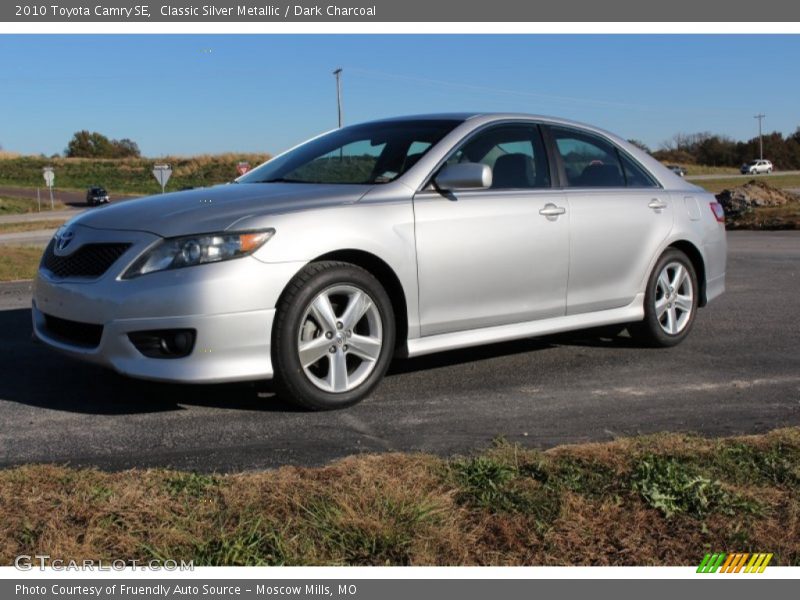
(230, 304)
(229, 347)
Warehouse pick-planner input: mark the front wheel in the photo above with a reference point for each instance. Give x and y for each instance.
(670, 302)
(333, 336)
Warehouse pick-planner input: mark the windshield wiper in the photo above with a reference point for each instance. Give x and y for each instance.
(280, 180)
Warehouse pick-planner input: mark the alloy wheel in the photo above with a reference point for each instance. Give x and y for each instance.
(340, 338)
(674, 298)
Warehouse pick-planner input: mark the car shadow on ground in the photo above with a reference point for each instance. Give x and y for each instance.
(34, 375)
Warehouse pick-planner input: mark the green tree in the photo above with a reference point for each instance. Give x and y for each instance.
(85, 144)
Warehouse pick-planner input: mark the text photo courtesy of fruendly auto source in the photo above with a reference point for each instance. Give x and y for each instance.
(400, 300)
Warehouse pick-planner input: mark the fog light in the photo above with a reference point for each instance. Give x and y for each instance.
(164, 343)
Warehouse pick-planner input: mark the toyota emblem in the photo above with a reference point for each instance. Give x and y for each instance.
(63, 240)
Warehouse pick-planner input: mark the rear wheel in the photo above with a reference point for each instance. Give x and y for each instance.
(333, 337)
(670, 302)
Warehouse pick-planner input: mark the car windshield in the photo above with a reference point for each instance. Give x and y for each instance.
(362, 154)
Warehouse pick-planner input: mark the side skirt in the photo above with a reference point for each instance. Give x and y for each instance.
(515, 331)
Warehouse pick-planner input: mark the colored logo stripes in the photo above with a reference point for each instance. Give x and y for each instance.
(734, 563)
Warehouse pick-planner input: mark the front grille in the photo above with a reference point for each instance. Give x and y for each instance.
(73, 332)
(90, 260)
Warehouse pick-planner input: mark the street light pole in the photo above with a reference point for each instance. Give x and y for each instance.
(760, 117)
(338, 74)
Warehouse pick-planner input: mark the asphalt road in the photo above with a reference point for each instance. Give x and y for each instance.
(739, 372)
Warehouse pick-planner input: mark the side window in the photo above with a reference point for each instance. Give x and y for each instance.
(514, 152)
(636, 176)
(589, 161)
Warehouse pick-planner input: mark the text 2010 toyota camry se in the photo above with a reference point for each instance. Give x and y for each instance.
(397, 237)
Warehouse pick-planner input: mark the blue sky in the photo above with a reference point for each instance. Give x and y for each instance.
(191, 94)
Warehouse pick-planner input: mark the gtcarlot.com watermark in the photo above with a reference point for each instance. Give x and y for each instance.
(26, 562)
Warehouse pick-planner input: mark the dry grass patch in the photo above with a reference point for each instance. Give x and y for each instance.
(655, 500)
(19, 262)
(30, 226)
(16, 205)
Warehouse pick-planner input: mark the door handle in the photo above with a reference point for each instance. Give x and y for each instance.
(551, 210)
(657, 204)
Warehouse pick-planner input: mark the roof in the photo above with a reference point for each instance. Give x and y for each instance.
(453, 116)
(488, 116)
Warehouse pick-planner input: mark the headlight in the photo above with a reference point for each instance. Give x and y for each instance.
(191, 250)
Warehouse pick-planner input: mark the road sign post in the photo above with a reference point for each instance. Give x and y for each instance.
(162, 173)
(49, 178)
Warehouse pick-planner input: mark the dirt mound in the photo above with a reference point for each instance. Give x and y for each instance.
(751, 195)
(758, 205)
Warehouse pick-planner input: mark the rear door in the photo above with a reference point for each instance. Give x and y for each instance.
(619, 216)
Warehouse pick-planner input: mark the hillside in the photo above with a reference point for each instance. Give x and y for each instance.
(124, 176)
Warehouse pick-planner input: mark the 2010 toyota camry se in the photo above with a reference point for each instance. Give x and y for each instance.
(397, 237)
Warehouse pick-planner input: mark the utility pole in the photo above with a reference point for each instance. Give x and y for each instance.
(760, 118)
(338, 74)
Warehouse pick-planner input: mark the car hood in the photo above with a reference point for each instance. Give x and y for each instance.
(217, 208)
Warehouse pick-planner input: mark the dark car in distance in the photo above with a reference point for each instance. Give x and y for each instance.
(96, 195)
(678, 170)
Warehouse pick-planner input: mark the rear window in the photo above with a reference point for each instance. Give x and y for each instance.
(592, 161)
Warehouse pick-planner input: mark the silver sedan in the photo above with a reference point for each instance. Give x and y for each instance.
(399, 237)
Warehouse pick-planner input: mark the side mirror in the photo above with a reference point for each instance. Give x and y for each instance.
(464, 176)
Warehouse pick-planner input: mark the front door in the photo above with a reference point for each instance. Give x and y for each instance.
(495, 256)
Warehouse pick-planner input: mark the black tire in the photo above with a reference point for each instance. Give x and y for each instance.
(649, 332)
(291, 381)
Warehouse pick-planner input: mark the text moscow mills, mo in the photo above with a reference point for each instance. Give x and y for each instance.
(187, 590)
(146, 11)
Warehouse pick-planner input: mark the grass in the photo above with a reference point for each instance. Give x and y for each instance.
(706, 169)
(17, 206)
(19, 262)
(673, 487)
(715, 186)
(124, 176)
(30, 226)
(665, 499)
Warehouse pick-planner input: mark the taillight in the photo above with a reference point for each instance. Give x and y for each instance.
(719, 212)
